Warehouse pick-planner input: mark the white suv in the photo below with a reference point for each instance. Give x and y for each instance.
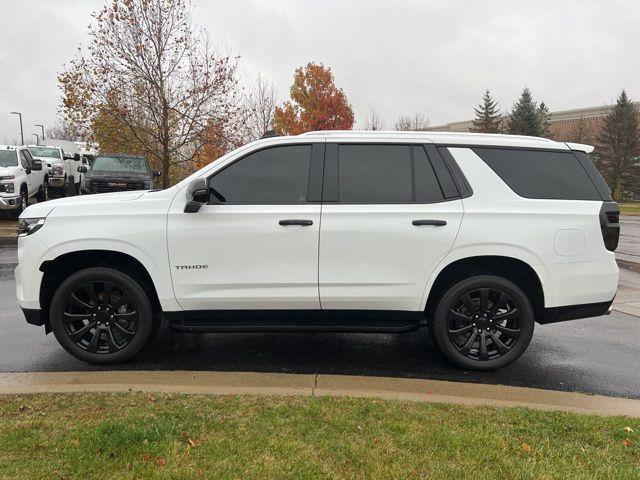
(474, 236)
(62, 168)
(21, 177)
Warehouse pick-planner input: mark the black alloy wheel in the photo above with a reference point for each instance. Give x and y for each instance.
(101, 315)
(483, 323)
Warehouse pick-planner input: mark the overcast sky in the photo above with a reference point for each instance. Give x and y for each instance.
(399, 56)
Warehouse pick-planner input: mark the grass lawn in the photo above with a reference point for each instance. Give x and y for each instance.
(174, 436)
(630, 208)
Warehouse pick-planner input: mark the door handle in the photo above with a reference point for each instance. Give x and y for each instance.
(304, 223)
(435, 223)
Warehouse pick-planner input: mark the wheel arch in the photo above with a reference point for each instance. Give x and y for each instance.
(55, 271)
(513, 269)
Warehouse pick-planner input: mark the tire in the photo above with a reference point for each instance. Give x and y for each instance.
(71, 187)
(24, 202)
(101, 316)
(483, 323)
(43, 193)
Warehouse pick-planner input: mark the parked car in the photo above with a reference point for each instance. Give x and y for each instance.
(473, 236)
(61, 168)
(117, 172)
(21, 177)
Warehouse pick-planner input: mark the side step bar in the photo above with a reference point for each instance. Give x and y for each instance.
(345, 321)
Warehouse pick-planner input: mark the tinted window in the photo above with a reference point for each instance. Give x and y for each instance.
(427, 187)
(592, 171)
(374, 174)
(121, 164)
(278, 175)
(540, 174)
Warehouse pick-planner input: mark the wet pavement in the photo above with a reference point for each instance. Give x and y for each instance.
(598, 355)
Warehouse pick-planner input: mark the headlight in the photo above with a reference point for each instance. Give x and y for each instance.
(86, 182)
(9, 187)
(29, 226)
(56, 170)
(7, 177)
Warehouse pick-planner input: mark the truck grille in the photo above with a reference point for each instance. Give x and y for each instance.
(104, 186)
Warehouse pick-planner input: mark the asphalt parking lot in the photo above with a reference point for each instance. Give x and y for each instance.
(599, 355)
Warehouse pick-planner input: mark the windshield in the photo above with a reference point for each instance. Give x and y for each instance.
(120, 164)
(8, 158)
(45, 152)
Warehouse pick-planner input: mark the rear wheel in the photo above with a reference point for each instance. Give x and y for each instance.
(483, 323)
(101, 315)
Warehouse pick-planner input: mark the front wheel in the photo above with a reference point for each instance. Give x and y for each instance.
(23, 203)
(101, 315)
(43, 193)
(483, 323)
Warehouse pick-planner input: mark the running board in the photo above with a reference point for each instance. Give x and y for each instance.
(344, 321)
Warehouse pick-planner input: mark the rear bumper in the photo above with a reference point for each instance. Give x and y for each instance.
(574, 312)
(9, 203)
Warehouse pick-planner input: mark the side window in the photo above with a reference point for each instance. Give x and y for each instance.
(428, 189)
(374, 174)
(389, 174)
(540, 174)
(277, 175)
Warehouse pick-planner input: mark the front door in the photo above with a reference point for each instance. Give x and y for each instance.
(387, 221)
(27, 162)
(255, 245)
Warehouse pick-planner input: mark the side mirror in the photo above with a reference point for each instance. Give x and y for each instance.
(198, 195)
(82, 169)
(36, 165)
(68, 156)
(156, 174)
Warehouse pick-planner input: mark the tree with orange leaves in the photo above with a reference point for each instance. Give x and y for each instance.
(316, 103)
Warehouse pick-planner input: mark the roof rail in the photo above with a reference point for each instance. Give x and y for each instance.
(419, 133)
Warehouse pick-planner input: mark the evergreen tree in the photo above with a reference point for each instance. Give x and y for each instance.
(545, 120)
(619, 143)
(488, 118)
(525, 117)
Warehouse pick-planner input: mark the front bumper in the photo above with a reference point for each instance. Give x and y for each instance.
(56, 182)
(34, 316)
(10, 203)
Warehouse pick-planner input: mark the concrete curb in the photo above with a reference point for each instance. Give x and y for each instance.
(245, 383)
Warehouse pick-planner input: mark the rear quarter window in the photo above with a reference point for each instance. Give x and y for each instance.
(540, 174)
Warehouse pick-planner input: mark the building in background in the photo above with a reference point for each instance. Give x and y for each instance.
(577, 125)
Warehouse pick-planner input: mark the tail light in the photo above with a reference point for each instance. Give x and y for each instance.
(610, 224)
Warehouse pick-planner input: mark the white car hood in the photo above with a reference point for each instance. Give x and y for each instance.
(45, 208)
(5, 171)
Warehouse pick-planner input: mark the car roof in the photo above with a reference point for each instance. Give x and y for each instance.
(119, 155)
(11, 147)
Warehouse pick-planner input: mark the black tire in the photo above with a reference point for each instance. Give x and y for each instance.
(101, 316)
(24, 202)
(71, 187)
(483, 323)
(43, 193)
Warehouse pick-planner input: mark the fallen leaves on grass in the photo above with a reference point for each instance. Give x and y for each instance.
(628, 429)
(526, 447)
(627, 442)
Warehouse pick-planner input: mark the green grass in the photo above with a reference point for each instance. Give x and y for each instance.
(172, 436)
(630, 207)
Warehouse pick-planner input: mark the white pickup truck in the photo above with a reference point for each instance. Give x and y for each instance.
(62, 167)
(21, 177)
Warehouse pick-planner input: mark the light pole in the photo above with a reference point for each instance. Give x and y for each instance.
(37, 138)
(42, 127)
(21, 132)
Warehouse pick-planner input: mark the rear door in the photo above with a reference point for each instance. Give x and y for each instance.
(387, 220)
